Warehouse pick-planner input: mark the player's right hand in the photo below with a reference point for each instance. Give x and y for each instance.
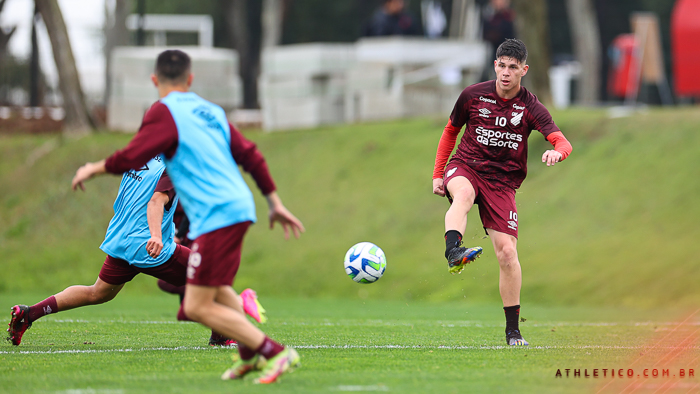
(154, 246)
(438, 187)
(86, 172)
(83, 174)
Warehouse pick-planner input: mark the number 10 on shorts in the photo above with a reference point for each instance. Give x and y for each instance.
(513, 220)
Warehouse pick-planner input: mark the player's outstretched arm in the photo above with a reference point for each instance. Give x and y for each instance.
(154, 216)
(86, 172)
(445, 147)
(551, 157)
(562, 149)
(278, 213)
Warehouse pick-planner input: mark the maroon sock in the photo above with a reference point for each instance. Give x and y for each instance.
(245, 352)
(168, 288)
(269, 348)
(181, 315)
(43, 308)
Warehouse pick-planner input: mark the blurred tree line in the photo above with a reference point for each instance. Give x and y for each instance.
(16, 72)
(342, 21)
(241, 24)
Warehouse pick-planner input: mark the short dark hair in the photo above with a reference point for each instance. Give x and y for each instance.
(513, 48)
(173, 66)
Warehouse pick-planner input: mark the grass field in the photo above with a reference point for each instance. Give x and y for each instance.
(614, 224)
(134, 345)
(608, 244)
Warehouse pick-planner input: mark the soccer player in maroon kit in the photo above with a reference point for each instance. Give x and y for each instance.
(489, 165)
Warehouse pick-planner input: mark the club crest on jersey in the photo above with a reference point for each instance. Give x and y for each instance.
(483, 112)
(516, 118)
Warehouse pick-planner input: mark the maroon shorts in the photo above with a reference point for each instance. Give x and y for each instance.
(496, 204)
(117, 271)
(216, 256)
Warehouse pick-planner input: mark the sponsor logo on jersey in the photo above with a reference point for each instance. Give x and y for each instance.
(450, 172)
(131, 174)
(516, 118)
(488, 100)
(484, 112)
(516, 106)
(502, 139)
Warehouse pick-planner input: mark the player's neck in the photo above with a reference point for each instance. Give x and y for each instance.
(507, 94)
(164, 90)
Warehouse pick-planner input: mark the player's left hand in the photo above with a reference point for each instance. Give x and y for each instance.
(154, 246)
(279, 213)
(551, 157)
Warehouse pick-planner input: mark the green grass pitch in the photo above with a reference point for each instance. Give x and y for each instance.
(608, 246)
(134, 345)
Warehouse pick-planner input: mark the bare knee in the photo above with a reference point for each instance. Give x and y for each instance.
(507, 256)
(97, 296)
(463, 195)
(193, 310)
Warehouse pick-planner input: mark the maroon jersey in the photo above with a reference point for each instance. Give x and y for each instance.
(165, 185)
(494, 143)
(158, 133)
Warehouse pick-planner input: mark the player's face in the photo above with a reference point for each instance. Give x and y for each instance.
(509, 72)
(395, 6)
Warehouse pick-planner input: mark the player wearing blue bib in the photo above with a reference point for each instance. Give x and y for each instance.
(202, 153)
(128, 233)
(139, 239)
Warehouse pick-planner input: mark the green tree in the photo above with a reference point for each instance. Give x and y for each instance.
(5, 36)
(532, 25)
(77, 120)
(586, 43)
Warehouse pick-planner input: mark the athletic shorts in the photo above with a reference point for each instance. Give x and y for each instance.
(496, 204)
(117, 271)
(216, 256)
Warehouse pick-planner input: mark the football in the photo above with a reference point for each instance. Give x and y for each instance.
(365, 262)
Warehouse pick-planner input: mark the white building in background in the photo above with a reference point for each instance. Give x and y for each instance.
(132, 92)
(304, 85)
(308, 85)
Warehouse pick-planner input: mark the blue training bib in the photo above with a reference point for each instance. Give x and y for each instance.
(205, 175)
(128, 232)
